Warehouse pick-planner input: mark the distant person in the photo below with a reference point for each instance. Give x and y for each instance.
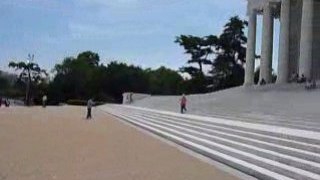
(44, 101)
(303, 79)
(130, 98)
(183, 104)
(311, 84)
(314, 84)
(90, 104)
(294, 78)
(308, 84)
(263, 82)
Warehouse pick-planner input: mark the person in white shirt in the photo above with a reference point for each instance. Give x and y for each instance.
(44, 101)
(90, 104)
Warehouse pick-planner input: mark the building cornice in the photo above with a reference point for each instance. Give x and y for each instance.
(258, 6)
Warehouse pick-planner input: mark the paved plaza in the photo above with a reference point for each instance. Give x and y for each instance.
(58, 143)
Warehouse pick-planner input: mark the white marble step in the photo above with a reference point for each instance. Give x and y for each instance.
(241, 133)
(251, 169)
(309, 169)
(304, 154)
(270, 130)
(290, 160)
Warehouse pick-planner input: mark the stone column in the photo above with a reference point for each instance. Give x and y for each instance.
(283, 62)
(251, 48)
(267, 44)
(305, 63)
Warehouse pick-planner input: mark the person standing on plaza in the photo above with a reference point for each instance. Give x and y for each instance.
(7, 102)
(44, 101)
(183, 104)
(90, 104)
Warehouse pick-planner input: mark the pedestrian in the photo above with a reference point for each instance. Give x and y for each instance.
(262, 82)
(303, 79)
(183, 104)
(90, 103)
(294, 78)
(7, 102)
(44, 101)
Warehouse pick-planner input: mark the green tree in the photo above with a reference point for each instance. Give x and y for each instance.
(90, 58)
(230, 55)
(164, 81)
(30, 74)
(121, 78)
(3, 80)
(225, 54)
(4, 83)
(75, 77)
(199, 49)
(197, 84)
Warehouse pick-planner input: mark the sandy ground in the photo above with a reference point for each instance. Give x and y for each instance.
(58, 143)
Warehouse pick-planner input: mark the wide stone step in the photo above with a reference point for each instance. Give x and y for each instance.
(271, 131)
(303, 154)
(307, 124)
(246, 167)
(264, 157)
(315, 149)
(280, 157)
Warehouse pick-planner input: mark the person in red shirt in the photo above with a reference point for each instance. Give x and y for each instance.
(183, 104)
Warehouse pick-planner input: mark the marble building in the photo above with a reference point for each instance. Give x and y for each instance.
(299, 39)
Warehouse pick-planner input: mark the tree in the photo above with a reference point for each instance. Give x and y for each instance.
(31, 75)
(164, 81)
(197, 84)
(75, 77)
(83, 77)
(199, 48)
(228, 64)
(4, 83)
(257, 76)
(225, 54)
(121, 78)
(89, 57)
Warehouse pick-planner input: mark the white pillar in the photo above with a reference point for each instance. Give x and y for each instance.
(283, 62)
(305, 63)
(267, 45)
(251, 48)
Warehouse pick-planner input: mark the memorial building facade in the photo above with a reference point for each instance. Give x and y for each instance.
(299, 39)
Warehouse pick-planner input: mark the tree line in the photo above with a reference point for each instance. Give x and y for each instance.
(224, 54)
(216, 62)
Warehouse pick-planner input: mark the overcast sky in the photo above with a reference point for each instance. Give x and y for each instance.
(141, 32)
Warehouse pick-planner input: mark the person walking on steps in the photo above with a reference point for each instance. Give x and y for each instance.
(183, 104)
(90, 104)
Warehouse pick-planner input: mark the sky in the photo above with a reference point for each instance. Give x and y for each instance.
(140, 32)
